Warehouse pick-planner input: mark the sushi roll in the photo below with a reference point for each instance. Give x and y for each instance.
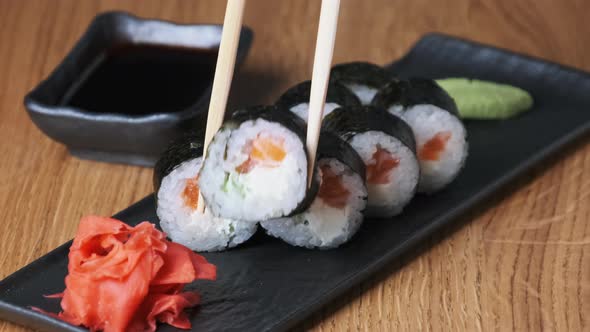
(296, 99)
(441, 138)
(336, 213)
(177, 192)
(364, 79)
(256, 166)
(386, 145)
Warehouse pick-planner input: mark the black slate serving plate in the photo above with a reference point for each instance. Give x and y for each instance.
(268, 285)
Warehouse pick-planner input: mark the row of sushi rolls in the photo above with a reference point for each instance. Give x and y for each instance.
(383, 140)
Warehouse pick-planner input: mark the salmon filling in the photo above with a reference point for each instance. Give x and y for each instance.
(380, 166)
(332, 190)
(190, 194)
(434, 147)
(263, 151)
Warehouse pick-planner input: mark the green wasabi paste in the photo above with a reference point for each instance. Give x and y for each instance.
(486, 100)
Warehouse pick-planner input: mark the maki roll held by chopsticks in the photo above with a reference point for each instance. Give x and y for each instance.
(256, 166)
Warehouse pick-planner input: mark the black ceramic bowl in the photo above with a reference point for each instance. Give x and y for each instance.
(130, 119)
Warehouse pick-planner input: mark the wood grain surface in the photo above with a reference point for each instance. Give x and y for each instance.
(522, 262)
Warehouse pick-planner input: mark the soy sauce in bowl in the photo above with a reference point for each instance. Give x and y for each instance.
(143, 79)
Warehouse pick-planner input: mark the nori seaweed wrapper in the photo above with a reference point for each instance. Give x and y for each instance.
(414, 91)
(185, 148)
(363, 73)
(288, 120)
(346, 122)
(332, 146)
(300, 93)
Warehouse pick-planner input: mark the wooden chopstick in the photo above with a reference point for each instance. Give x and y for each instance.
(322, 62)
(224, 71)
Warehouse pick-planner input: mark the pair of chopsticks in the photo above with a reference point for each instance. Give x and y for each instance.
(224, 70)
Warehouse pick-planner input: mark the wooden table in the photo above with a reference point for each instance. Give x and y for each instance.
(521, 263)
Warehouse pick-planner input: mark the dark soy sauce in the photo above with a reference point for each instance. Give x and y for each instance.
(143, 79)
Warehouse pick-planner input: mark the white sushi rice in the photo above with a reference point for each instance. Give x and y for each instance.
(426, 121)
(321, 225)
(386, 200)
(301, 110)
(263, 192)
(197, 231)
(365, 93)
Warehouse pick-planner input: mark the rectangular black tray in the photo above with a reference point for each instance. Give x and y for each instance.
(268, 285)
